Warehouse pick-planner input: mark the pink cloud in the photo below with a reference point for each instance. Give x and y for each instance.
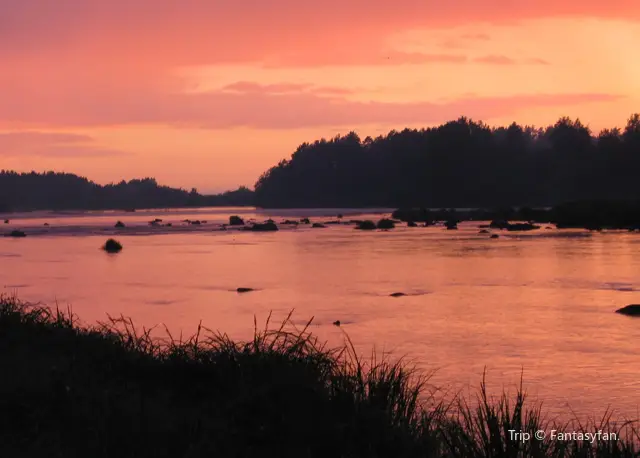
(247, 86)
(108, 62)
(331, 91)
(75, 151)
(257, 109)
(368, 57)
(476, 37)
(11, 140)
(283, 88)
(52, 144)
(537, 61)
(495, 60)
(167, 33)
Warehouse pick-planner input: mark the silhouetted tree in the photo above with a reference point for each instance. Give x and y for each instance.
(65, 191)
(462, 163)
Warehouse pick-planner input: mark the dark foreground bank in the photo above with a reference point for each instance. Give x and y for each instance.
(112, 391)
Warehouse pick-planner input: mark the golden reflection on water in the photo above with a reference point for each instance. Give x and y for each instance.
(538, 303)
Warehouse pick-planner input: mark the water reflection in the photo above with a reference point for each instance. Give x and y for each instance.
(542, 301)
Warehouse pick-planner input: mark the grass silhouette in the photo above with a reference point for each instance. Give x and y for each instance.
(112, 390)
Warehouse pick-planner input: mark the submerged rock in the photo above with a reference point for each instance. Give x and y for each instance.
(397, 294)
(522, 227)
(386, 224)
(451, 225)
(16, 233)
(235, 220)
(411, 224)
(630, 310)
(119, 224)
(336, 323)
(6, 221)
(366, 225)
(499, 224)
(483, 231)
(263, 227)
(318, 225)
(112, 246)
(305, 221)
(420, 215)
(494, 236)
(291, 222)
(244, 290)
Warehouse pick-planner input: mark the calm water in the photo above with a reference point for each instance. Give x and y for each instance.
(541, 302)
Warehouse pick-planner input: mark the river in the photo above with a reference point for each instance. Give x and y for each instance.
(539, 303)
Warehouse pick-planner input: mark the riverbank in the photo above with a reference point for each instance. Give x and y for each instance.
(113, 391)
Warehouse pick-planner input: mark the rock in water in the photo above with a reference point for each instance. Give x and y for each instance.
(397, 294)
(235, 220)
(630, 310)
(244, 290)
(366, 225)
(451, 225)
(112, 246)
(263, 227)
(386, 224)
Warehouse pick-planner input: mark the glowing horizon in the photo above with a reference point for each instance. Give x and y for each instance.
(209, 94)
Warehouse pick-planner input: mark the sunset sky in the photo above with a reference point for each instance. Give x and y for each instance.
(210, 93)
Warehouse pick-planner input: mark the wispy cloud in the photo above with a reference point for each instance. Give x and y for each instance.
(167, 33)
(371, 57)
(52, 144)
(261, 109)
(495, 60)
(476, 36)
(249, 87)
(537, 61)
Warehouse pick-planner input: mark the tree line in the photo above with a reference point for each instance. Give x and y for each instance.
(461, 163)
(66, 191)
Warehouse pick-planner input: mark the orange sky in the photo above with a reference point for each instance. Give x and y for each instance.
(210, 93)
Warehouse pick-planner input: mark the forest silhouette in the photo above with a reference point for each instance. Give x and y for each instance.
(66, 191)
(461, 163)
